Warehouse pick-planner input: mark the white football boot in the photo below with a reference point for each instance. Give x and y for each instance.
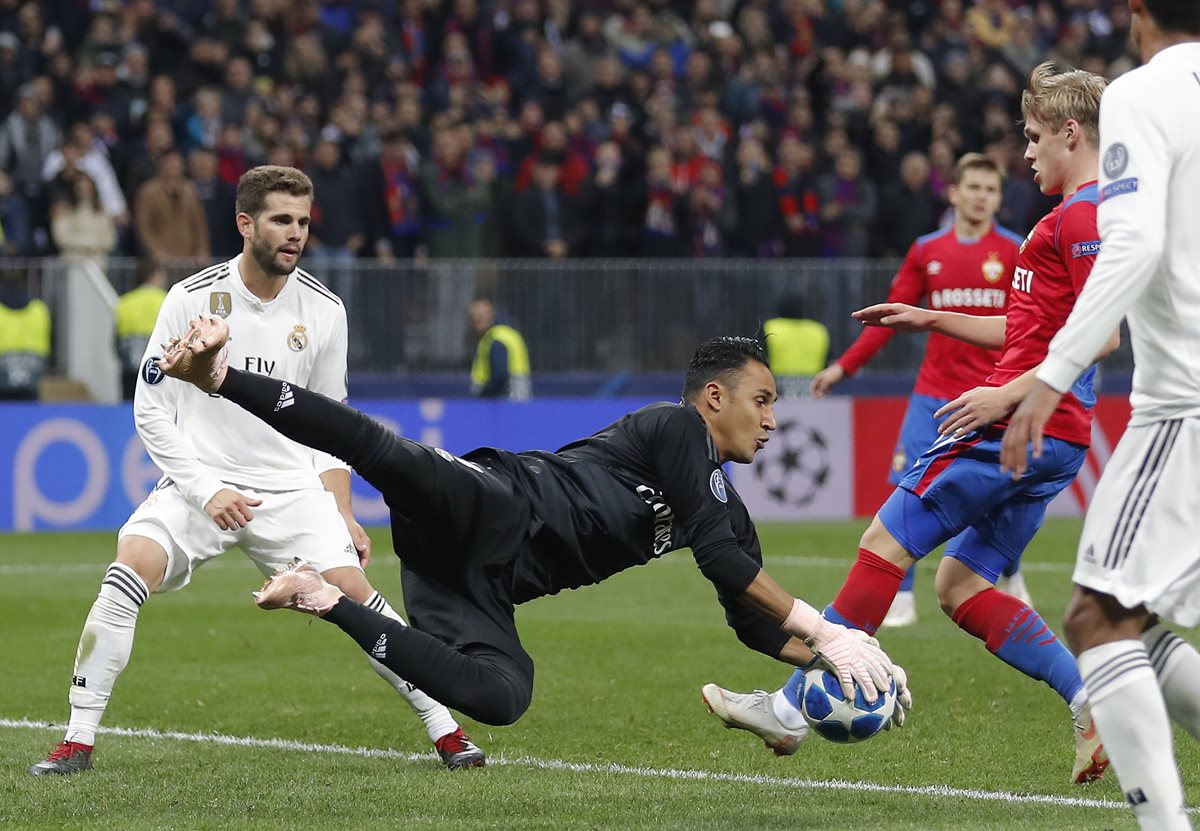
(754, 712)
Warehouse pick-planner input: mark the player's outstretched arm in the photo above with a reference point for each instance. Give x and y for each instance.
(853, 656)
(977, 330)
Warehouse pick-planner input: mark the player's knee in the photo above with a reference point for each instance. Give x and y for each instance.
(503, 705)
(351, 581)
(144, 556)
(880, 542)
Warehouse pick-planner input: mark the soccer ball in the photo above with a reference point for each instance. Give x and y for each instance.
(828, 712)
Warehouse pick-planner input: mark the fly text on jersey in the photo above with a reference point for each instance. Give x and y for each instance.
(259, 366)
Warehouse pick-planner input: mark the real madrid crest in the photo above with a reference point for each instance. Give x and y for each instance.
(993, 267)
(297, 339)
(220, 303)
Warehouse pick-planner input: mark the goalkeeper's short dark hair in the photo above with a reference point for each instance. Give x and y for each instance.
(1179, 16)
(718, 359)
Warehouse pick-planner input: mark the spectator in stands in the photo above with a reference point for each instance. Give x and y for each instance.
(582, 54)
(611, 203)
(168, 215)
(14, 220)
(548, 221)
(336, 235)
(27, 137)
(908, 208)
(24, 338)
(204, 125)
(142, 162)
(93, 160)
(392, 201)
(993, 22)
(552, 143)
(500, 368)
(757, 229)
(456, 196)
(795, 195)
(135, 314)
(848, 205)
(218, 200)
(662, 209)
(80, 228)
(710, 219)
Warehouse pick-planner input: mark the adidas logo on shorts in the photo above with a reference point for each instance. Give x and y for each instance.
(379, 650)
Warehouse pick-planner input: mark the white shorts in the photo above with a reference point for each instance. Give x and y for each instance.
(1141, 539)
(304, 523)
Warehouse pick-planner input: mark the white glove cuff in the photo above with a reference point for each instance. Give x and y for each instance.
(802, 621)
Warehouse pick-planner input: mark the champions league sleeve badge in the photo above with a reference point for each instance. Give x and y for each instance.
(151, 374)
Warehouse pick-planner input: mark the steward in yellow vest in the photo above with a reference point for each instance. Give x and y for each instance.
(136, 313)
(24, 344)
(501, 366)
(796, 346)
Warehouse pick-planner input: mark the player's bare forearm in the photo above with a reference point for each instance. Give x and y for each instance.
(986, 331)
(769, 599)
(796, 653)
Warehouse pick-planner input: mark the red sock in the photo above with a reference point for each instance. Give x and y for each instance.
(868, 592)
(992, 615)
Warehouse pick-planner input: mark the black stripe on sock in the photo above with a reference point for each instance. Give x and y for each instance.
(1107, 675)
(121, 579)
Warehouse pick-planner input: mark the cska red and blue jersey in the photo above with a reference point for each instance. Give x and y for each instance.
(950, 274)
(1054, 263)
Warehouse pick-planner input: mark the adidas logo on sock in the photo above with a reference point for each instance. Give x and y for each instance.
(78, 681)
(286, 398)
(379, 650)
(1136, 797)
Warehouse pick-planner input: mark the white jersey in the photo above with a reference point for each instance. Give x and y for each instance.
(1149, 262)
(204, 443)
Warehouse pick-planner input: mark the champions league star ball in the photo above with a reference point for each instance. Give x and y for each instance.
(828, 712)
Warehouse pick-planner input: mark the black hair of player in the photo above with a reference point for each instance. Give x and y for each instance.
(719, 358)
(1178, 16)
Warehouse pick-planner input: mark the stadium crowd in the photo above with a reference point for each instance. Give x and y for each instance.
(468, 128)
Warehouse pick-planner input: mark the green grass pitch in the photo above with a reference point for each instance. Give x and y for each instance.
(617, 737)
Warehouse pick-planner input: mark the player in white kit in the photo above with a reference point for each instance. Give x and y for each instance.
(1139, 553)
(229, 479)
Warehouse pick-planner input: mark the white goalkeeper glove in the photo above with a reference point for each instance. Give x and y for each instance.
(903, 698)
(852, 655)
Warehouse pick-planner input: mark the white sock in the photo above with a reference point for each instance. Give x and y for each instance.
(1121, 681)
(1078, 702)
(788, 714)
(104, 649)
(1177, 665)
(436, 718)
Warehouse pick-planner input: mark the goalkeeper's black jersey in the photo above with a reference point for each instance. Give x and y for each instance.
(644, 486)
(640, 488)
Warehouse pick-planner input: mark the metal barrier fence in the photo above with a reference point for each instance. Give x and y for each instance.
(577, 315)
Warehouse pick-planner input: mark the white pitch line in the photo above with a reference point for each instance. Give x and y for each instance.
(96, 568)
(942, 791)
(786, 560)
